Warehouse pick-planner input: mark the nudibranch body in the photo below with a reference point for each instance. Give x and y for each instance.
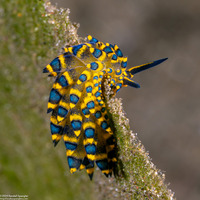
(77, 102)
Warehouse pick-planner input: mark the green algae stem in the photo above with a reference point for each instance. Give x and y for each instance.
(139, 177)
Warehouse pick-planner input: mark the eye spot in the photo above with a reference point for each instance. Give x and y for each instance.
(83, 77)
(74, 98)
(94, 66)
(89, 89)
(90, 104)
(89, 132)
(98, 114)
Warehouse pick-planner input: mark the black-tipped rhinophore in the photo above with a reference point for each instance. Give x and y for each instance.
(130, 82)
(140, 68)
(137, 69)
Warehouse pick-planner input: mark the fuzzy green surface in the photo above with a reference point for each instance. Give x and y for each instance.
(138, 178)
(29, 164)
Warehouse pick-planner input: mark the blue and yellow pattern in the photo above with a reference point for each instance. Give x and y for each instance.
(77, 102)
